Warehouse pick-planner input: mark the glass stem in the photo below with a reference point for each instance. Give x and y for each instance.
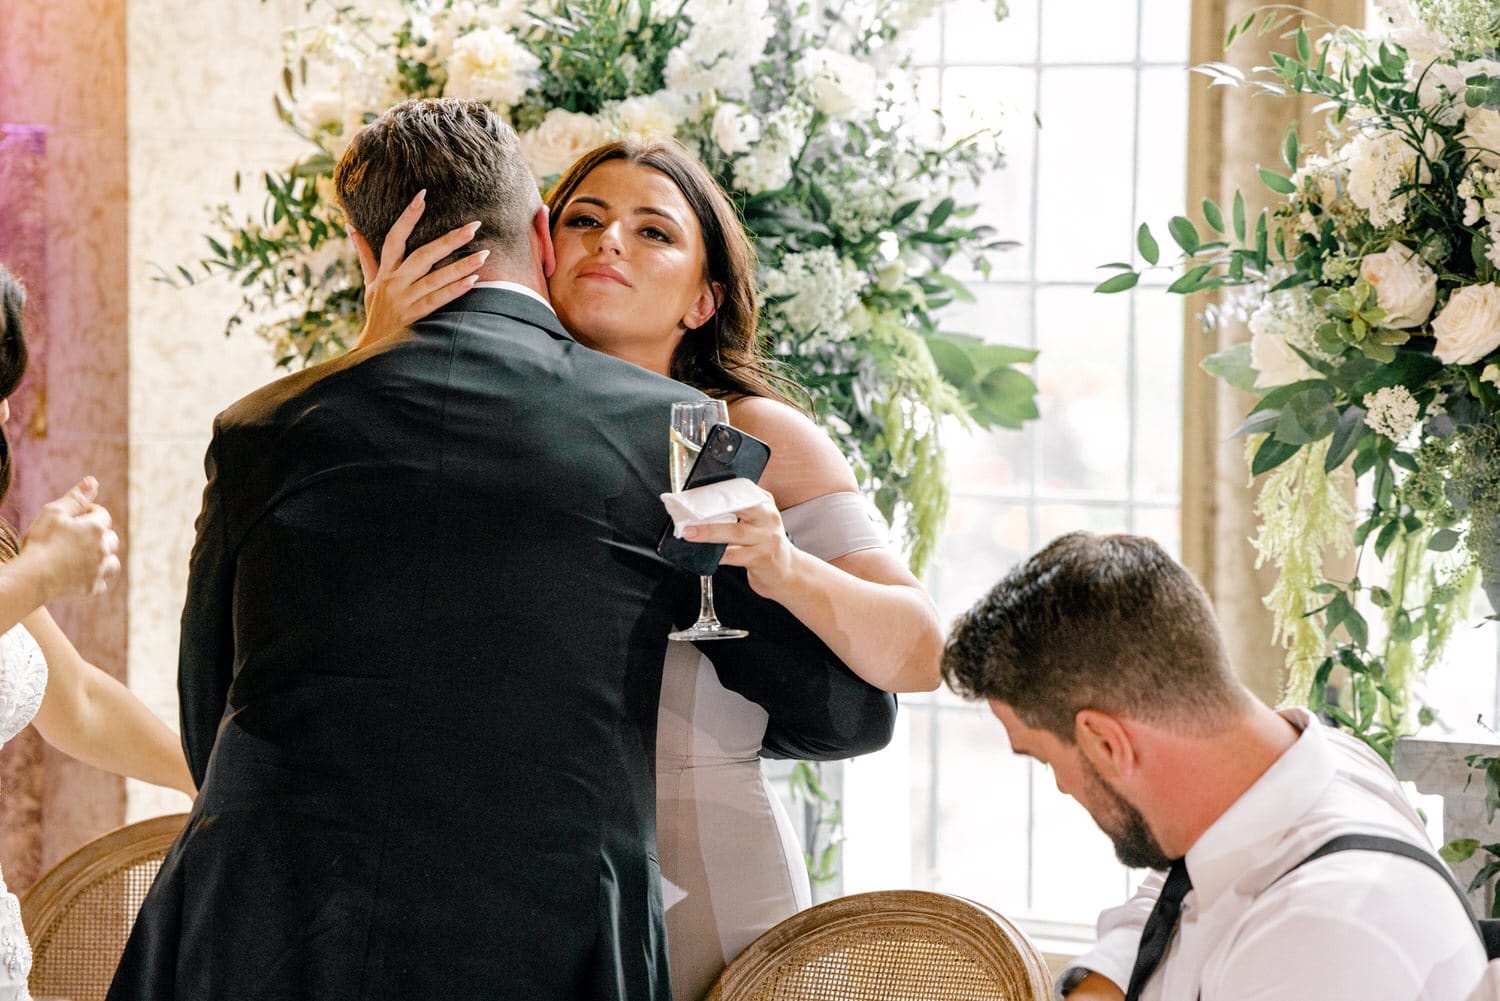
(706, 614)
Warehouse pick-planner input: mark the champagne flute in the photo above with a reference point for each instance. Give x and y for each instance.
(691, 422)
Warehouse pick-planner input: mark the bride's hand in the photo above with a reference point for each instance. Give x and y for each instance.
(757, 542)
(400, 290)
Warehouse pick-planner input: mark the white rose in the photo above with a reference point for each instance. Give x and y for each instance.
(1482, 135)
(490, 65)
(563, 137)
(1468, 328)
(1274, 359)
(1404, 286)
(733, 130)
(841, 85)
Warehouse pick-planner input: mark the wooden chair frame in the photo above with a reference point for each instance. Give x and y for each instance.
(820, 932)
(50, 900)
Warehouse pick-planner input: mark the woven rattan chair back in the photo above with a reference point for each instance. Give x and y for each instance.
(79, 914)
(891, 945)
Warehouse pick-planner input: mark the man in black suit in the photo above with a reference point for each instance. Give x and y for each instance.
(422, 645)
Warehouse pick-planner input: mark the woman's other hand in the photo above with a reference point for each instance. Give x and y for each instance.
(757, 542)
(70, 546)
(400, 289)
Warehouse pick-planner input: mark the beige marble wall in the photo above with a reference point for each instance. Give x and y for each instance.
(196, 117)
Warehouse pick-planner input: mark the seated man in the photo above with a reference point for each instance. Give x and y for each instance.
(1101, 657)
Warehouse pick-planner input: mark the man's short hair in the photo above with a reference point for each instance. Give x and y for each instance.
(466, 158)
(1104, 622)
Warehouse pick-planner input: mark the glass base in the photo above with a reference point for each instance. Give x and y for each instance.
(711, 630)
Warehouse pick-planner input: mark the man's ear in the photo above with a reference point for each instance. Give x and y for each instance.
(1106, 742)
(541, 229)
(705, 306)
(367, 262)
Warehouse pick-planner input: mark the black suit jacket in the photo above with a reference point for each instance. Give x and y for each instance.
(419, 673)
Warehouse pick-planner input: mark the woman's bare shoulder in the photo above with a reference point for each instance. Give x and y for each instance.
(805, 463)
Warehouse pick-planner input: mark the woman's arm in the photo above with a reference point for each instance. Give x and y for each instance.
(90, 716)
(866, 606)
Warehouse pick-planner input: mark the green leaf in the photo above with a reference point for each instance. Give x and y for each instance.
(1238, 213)
(905, 210)
(1212, 215)
(1356, 627)
(1260, 422)
(995, 355)
(1119, 283)
(1233, 366)
(1304, 46)
(1279, 183)
(1289, 152)
(1443, 540)
(1351, 427)
(1190, 282)
(1271, 454)
(1150, 252)
(1009, 395)
(1184, 233)
(940, 214)
(953, 362)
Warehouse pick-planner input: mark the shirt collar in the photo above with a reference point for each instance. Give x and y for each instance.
(1244, 835)
(516, 287)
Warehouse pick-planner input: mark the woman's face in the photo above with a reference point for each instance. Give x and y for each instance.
(630, 264)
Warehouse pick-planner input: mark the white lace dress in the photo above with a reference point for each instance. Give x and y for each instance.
(730, 862)
(23, 679)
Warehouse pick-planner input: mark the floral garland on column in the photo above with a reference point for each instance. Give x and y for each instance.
(803, 111)
(1372, 293)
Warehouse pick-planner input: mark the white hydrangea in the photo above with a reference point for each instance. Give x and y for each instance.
(768, 164)
(726, 40)
(1392, 412)
(490, 65)
(1381, 161)
(821, 290)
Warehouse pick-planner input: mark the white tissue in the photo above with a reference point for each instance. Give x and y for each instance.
(714, 504)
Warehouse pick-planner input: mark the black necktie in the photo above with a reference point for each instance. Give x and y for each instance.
(1159, 928)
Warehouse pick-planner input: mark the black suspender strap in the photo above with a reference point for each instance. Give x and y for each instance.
(1393, 846)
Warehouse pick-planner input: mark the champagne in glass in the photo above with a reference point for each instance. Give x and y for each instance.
(691, 422)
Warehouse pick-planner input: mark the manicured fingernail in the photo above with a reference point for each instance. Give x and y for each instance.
(484, 254)
(474, 226)
(421, 196)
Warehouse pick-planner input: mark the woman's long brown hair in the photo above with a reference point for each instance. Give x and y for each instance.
(12, 368)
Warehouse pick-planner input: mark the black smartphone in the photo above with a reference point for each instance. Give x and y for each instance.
(727, 453)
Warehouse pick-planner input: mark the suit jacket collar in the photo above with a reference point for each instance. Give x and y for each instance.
(515, 305)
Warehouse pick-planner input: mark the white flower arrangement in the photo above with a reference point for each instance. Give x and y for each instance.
(1372, 288)
(851, 197)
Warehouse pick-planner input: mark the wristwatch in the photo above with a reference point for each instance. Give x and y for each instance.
(1069, 981)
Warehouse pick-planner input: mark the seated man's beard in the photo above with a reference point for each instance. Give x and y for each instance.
(1134, 843)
